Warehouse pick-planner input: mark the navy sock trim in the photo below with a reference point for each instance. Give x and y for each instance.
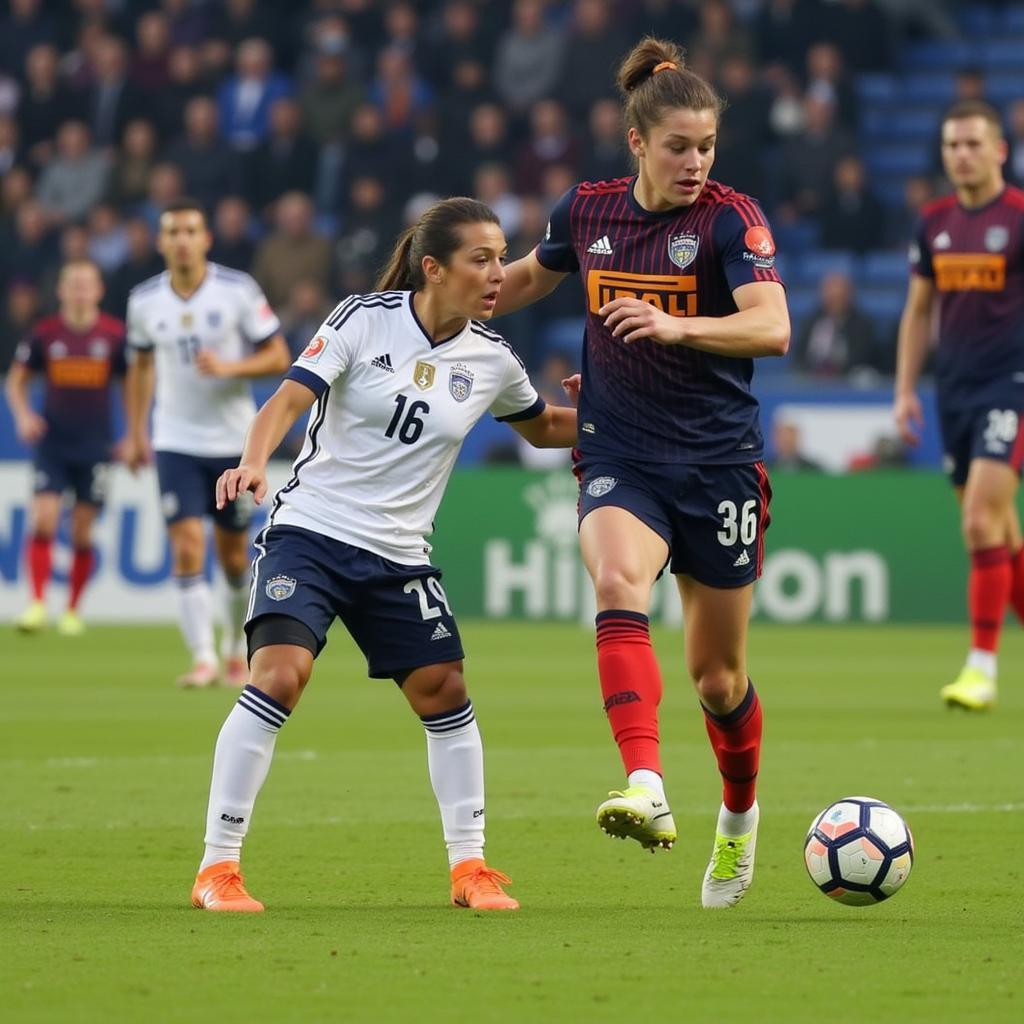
(263, 707)
(613, 613)
(448, 721)
(738, 713)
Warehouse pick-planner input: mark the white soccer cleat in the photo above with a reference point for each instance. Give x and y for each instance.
(200, 676)
(637, 812)
(731, 869)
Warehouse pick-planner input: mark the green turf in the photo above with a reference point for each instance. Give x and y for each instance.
(105, 769)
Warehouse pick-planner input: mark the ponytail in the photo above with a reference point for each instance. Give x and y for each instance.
(396, 275)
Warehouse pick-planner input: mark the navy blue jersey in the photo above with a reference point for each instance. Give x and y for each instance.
(662, 403)
(976, 260)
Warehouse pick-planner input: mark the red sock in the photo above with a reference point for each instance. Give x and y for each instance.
(631, 686)
(81, 570)
(1017, 588)
(736, 740)
(40, 564)
(988, 593)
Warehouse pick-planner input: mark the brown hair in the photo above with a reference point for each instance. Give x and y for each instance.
(434, 234)
(963, 109)
(186, 203)
(654, 78)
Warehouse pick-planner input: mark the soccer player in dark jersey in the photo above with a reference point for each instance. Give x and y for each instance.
(79, 352)
(681, 295)
(967, 263)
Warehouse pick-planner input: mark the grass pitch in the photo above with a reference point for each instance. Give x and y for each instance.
(105, 769)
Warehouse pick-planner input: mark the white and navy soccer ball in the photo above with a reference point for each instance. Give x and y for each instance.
(859, 851)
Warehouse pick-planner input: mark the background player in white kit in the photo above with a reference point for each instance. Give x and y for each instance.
(399, 377)
(198, 331)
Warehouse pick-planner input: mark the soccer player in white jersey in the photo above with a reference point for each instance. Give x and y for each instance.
(398, 378)
(197, 332)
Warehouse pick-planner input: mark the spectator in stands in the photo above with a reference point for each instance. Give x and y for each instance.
(72, 246)
(787, 447)
(292, 252)
(187, 21)
(747, 128)
(331, 97)
(809, 158)
(208, 164)
(489, 143)
(233, 244)
(1015, 140)
(15, 189)
(111, 102)
(468, 89)
(462, 36)
(26, 26)
(10, 143)
(286, 161)
(529, 58)
(165, 186)
(864, 35)
(852, 217)
(900, 223)
(551, 142)
(402, 28)
(604, 156)
(837, 338)
(594, 49)
(108, 239)
(493, 186)
(45, 103)
(782, 33)
(828, 79)
(133, 165)
(150, 65)
(303, 313)
(185, 82)
(368, 230)
(246, 97)
(20, 310)
(76, 179)
(402, 97)
(31, 248)
(239, 20)
(141, 263)
(370, 153)
(718, 35)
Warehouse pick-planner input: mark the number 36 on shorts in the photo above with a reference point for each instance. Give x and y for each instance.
(739, 522)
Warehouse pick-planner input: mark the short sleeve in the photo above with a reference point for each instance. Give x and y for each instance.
(919, 255)
(518, 398)
(259, 323)
(745, 245)
(330, 352)
(556, 250)
(30, 354)
(137, 336)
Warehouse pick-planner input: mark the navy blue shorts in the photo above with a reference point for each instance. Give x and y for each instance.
(88, 479)
(713, 518)
(397, 614)
(986, 431)
(188, 488)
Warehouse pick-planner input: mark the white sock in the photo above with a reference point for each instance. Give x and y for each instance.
(241, 761)
(455, 757)
(737, 823)
(645, 777)
(984, 661)
(236, 604)
(195, 617)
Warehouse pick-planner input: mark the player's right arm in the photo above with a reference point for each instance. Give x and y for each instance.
(267, 431)
(138, 397)
(30, 426)
(911, 352)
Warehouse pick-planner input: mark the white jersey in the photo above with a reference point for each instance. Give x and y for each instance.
(392, 413)
(228, 315)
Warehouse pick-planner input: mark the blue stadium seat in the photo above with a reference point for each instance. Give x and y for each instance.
(802, 302)
(793, 240)
(1005, 87)
(903, 123)
(884, 268)
(881, 303)
(977, 20)
(944, 55)
(889, 189)
(928, 87)
(819, 262)
(893, 159)
(1002, 54)
(564, 335)
(1013, 20)
(877, 88)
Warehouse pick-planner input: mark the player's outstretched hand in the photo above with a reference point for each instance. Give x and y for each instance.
(633, 319)
(210, 365)
(909, 417)
(135, 453)
(571, 386)
(234, 482)
(30, 428)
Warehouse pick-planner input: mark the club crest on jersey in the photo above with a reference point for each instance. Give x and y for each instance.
(423, 375)
(213, 318)
(280, 588)
(996, 238)
(98, 348)
(186, 320)
(460, 382)
(601, 485)
(315, 349)
(682, 248)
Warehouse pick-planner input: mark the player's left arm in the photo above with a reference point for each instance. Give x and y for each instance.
(555, 427)
(271, 357)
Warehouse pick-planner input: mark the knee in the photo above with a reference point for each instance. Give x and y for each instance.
(721, 688)
(283, 679)
(979, 527)
(617, 586)
(188, 552)
(436, 689)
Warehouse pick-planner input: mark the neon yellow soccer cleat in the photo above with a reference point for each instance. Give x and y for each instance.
(730, 870)
(33, 618)
(70, 624)
(972, 690)
(637, 812)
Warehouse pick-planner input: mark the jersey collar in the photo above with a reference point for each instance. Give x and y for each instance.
(416, 320)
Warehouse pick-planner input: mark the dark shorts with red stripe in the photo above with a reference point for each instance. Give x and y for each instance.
(713, 518)
(989, 430)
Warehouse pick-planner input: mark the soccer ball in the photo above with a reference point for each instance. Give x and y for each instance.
(859, 851)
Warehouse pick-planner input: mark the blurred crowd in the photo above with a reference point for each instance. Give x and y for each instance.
(313, 131)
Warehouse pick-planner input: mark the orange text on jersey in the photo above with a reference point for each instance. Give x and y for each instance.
(672, 294)
(970, 272)
(78, 372)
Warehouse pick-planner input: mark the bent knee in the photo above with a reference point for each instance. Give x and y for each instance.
(282, 677)
(721, 689)
(621, 587)
(981, 527)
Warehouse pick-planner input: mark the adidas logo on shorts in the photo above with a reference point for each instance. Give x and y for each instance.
(744, 559)
(441, 633)
(383, 362)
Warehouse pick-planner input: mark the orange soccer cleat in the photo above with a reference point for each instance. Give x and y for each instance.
(479, 887)
(236, 672)
(221, 887)
(201, 676)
